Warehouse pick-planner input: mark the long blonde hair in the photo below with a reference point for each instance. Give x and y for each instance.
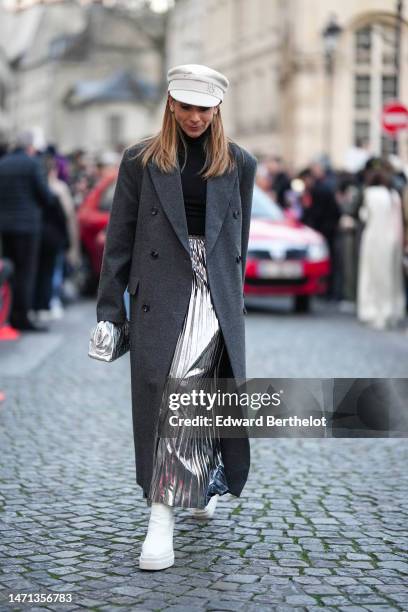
(163, 147)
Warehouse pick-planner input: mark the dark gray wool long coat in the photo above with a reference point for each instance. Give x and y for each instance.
(147, 250)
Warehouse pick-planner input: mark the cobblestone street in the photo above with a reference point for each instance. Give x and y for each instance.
(322, 523)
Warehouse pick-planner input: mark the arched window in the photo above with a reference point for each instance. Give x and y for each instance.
(375, 82)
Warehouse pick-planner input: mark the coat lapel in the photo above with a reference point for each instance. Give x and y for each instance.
(219, 191)
(170, 192)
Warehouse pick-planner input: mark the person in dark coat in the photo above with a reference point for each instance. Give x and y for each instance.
(322, 213)
(54, 239)
(177, 238)
(279, 180)
(23, 195)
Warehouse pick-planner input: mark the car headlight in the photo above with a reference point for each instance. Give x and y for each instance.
(317, 252)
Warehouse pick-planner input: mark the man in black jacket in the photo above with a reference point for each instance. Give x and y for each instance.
(23, 193)
(322, 213)
(279, 180)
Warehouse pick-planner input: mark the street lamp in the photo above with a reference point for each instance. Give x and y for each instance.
(330, 35)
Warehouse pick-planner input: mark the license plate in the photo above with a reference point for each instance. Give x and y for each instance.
(280, 269)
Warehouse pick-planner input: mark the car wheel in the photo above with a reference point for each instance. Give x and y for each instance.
(302, 303)
(85, 279)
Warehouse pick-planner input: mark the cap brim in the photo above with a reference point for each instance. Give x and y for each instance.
(194, 97)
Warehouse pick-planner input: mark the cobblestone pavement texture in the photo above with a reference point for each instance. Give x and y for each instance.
(322, 523)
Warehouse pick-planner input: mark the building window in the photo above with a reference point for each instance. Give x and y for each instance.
(375, 82)
(388, 38)
(389, 88)
(361, 132)
(363, 45)
(362, 91)
(115, 130)
(389, 146)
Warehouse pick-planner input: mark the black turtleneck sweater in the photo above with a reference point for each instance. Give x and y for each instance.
(194, 186)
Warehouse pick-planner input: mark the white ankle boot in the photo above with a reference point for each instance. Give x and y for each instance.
(207, 512)
(157, 550)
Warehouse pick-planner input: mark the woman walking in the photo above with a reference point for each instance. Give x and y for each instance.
(380, 293)
(178, 238)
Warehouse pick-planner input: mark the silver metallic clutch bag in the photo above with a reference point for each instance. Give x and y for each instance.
(109, 341)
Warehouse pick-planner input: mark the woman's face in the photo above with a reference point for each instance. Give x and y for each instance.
(194, 120)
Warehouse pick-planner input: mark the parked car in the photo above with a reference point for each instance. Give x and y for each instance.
(284, 257)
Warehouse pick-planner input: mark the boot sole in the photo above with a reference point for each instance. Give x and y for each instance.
(205, 514)
(202, 517)
(160, 563)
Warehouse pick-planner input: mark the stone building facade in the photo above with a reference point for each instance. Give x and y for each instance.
(282, 100)
(85, 77)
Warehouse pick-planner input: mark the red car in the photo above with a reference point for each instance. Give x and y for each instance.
(284, 256)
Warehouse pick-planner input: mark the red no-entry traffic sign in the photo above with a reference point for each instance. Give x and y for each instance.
(394, 118)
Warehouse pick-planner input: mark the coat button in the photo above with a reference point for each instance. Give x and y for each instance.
(238, 258)
(154, 254)
(154, 211)
(236, 214)
(145, 307)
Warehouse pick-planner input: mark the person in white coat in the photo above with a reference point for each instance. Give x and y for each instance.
(380, 292)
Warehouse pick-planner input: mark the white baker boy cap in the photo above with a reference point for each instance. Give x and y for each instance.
(197, 84)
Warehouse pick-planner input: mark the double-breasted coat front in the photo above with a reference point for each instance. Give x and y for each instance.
(147, 250)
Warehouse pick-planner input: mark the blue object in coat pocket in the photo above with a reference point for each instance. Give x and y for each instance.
(131, 290)
(127, 305)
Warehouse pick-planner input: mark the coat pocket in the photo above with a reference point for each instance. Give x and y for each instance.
(133, 285)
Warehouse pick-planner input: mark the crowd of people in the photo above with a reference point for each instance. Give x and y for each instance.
(363, 216)
(40, 191)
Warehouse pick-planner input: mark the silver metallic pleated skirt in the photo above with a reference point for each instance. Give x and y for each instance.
(188, 469)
